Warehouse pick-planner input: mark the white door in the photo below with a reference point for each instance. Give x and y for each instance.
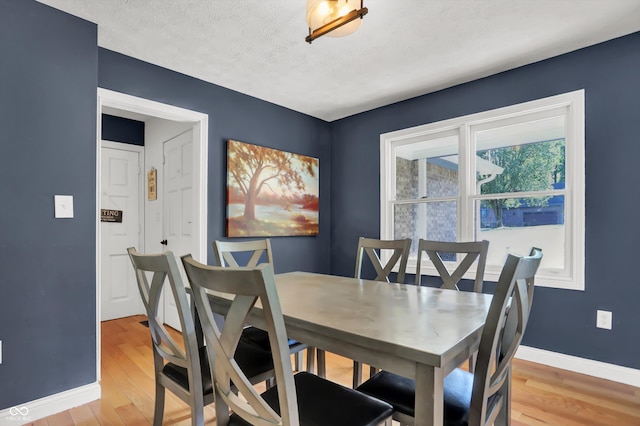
(178, 208)
(121, 187)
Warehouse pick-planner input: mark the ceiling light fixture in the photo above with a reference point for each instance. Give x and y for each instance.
(335, 18)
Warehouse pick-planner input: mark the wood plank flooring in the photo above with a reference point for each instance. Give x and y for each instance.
(541, 395)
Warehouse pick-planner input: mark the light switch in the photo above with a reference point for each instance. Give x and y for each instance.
(64, 206)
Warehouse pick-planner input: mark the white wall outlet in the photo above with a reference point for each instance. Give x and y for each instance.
(604, 319)
(0, 351)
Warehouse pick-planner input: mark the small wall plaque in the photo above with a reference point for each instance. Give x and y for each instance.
(107, 215)
(152, 187)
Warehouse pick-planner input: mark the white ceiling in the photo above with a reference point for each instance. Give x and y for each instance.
(403, 48)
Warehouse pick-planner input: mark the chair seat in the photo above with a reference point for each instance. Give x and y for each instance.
(261, 337)
(252, 359)
(400, 393)
(322, 403)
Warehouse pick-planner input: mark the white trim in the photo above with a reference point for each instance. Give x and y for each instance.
(29, 412)
(98, 239)
(615, 373)
(122, 101)
(122, 146)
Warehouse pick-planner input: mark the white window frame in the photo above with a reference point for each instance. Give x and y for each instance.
(572, 277)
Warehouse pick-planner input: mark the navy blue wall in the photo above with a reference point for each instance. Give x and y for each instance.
(119, 129)
(48, 80)
(233, 115)
(562, 321)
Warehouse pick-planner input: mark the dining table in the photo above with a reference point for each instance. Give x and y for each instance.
(422, 333)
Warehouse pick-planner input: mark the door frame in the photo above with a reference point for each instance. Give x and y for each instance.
(122, 101)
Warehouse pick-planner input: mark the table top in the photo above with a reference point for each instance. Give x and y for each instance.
(421, 324)
(418, 332)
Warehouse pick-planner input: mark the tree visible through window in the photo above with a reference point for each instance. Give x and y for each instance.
(531, 167)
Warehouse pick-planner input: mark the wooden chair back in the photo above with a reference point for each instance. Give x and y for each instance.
(250, 254)
(501, 336)
(245, 287)
(229, 253)
(471, 250)
(372, 248)
(163, 269)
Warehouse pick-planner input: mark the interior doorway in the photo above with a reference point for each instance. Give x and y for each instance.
(163, 123)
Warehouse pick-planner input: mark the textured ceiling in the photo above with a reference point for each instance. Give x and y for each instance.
(402, 49)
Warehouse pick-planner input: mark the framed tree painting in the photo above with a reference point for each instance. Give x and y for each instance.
(270, 192)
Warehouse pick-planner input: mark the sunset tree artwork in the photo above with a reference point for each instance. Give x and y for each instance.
(270, 192)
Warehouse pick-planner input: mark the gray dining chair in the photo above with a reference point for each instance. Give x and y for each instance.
(373, 248)
(483, 397)
(242, 253)
(304, 399)
(250, 254)
(183, 367)
(439, 251)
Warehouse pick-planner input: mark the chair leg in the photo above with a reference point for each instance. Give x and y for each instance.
(222, 410)
(507, 398)
(373, 371)
(357, 374)
(322, 364)
(472, 362)
(298, 361)
(159, 405)
(311, 358)
(197, 413)
(504, 415)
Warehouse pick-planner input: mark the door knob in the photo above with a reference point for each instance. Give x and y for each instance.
(163, 242)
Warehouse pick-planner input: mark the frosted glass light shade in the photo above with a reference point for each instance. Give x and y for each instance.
(334, 18)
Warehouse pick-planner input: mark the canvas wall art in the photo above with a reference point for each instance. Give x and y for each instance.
(270, 192)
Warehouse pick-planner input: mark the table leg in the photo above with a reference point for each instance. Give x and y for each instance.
(429, 396)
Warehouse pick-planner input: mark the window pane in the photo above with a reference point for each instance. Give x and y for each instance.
(427, 169)
(431, 221)
(523, 157)
(525, 223)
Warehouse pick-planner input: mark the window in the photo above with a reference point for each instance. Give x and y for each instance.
(513, 176)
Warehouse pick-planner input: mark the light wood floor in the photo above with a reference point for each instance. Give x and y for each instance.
(541, 395)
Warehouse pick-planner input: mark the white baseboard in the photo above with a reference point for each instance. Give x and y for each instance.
(616, 373)
(31, 411)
